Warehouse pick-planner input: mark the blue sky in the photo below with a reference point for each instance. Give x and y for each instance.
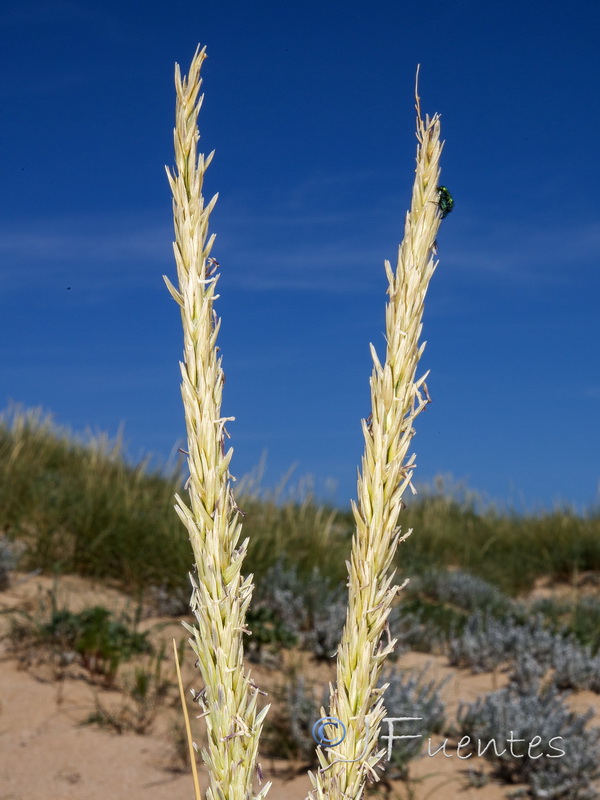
(310, 108)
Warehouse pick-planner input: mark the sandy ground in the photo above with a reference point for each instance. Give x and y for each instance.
(47, 754)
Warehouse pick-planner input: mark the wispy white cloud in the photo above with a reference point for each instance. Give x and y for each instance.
(527, 255)
(260, 252)
(99, 245)
(299, 245)
(97, 253)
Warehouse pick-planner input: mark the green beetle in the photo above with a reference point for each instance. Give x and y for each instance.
(446, 201)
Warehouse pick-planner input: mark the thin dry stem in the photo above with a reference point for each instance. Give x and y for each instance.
(220, 595)
(188, 730)
(386, 472)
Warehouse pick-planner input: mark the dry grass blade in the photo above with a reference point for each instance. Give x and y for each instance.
(188, 730)
(397, 397)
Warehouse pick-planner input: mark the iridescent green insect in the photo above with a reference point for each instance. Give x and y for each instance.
(446, 201)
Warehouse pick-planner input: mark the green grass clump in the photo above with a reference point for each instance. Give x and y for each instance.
(581, 617)
(78, 506)
(507, 549)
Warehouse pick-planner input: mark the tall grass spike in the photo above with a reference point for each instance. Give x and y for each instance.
(397, 397)
(220, 595)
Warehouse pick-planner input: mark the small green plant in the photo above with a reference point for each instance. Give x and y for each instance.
(103, 642)
(581, 618)
(93, 636)
(268, 629)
